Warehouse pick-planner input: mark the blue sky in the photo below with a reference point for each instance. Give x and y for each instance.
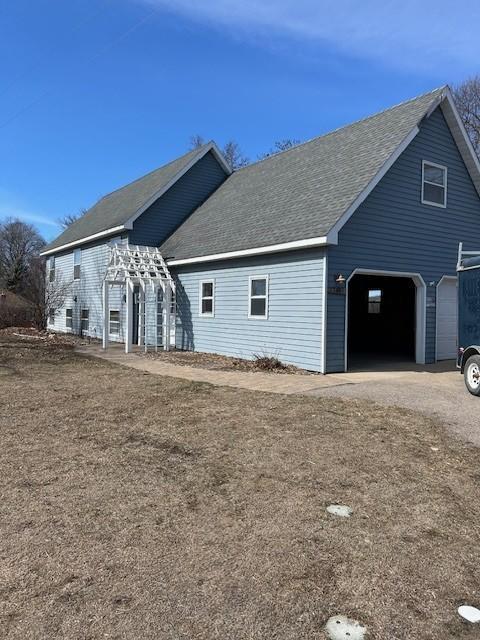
(95, 93)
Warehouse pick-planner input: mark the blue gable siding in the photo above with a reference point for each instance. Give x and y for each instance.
(169, 211)
(293, 330)
(393, 231)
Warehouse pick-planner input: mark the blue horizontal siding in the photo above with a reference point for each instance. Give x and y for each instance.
(393, 231)
(169, 211)
(293, 330)
(86, 293)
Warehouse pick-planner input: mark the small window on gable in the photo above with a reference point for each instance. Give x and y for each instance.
(374, 301)
(69, 318)
(77, 261)
(258, 297)
(207, 298)
(115, 322)
(434, 184)
(51, 269)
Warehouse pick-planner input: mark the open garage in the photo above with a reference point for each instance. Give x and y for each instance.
(382, 320)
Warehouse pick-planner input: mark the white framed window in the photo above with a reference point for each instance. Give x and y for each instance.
(434, 184)
(258, 297)
(69, 318)
(51, 316)
(206, 307)
(77, 261)
(374, 301)
(84, 317)
(114, 322)
(51, 269)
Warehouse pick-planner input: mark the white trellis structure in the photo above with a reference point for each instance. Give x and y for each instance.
(130, 266)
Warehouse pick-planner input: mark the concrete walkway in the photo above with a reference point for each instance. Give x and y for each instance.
(254, 381)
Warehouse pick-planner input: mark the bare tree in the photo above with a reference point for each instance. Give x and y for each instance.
(20, 243)
(68, 219)
(279, 146)
(234, 156)
(196, 141)
(231, 150)
(467, 99)
(43, 294)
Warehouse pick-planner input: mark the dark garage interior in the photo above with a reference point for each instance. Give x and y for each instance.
(381, 320)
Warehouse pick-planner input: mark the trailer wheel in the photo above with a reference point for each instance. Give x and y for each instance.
(471, 375)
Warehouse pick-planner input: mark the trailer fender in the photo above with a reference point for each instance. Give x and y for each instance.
(473, 350)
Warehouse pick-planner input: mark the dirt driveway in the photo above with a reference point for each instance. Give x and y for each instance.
(436, 390)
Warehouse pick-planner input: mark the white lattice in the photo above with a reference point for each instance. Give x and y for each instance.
(137, 264)
(136, 268)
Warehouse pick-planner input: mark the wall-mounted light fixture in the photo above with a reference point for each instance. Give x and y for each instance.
(340, 279)
(74, 298)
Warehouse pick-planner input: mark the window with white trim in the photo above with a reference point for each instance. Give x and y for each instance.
(69, 318)
(207, 298)
(115, 322)
(51, 269)
(77, 261)
(434, 184)
(84, 317)
(258, 297)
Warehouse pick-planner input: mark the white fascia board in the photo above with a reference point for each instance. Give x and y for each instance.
(211, 146)
(333, 233)
(273, 248)
(75, 243)
(460, 135)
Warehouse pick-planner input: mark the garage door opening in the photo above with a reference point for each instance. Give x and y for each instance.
(382, 320)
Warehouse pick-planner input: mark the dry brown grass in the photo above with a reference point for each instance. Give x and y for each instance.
(135, 506)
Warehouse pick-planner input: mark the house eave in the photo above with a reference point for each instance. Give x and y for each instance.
(319, 241)
(76, 243)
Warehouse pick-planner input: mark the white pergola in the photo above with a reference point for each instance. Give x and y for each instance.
(131, 265)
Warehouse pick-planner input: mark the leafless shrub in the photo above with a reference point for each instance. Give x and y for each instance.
(268, 363)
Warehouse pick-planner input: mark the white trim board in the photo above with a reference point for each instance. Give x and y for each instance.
(75, 243)
(273, 248)
(420, 309)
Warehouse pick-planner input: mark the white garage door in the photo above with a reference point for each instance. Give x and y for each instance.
(447, 319)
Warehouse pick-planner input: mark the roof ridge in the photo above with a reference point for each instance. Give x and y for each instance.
(149, 173)
(344, 126)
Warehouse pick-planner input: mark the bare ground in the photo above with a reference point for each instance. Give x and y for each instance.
(136, 506)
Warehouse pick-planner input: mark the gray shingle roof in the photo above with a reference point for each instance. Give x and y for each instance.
(117, 207)
(300, 193)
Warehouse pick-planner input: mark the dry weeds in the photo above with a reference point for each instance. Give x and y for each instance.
(135, 506)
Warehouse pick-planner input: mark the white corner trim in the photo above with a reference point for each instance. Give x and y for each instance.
(272, 248)
(211, 146)
(420, 309)
(75, 243)
(333, 233)
(324, 313)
